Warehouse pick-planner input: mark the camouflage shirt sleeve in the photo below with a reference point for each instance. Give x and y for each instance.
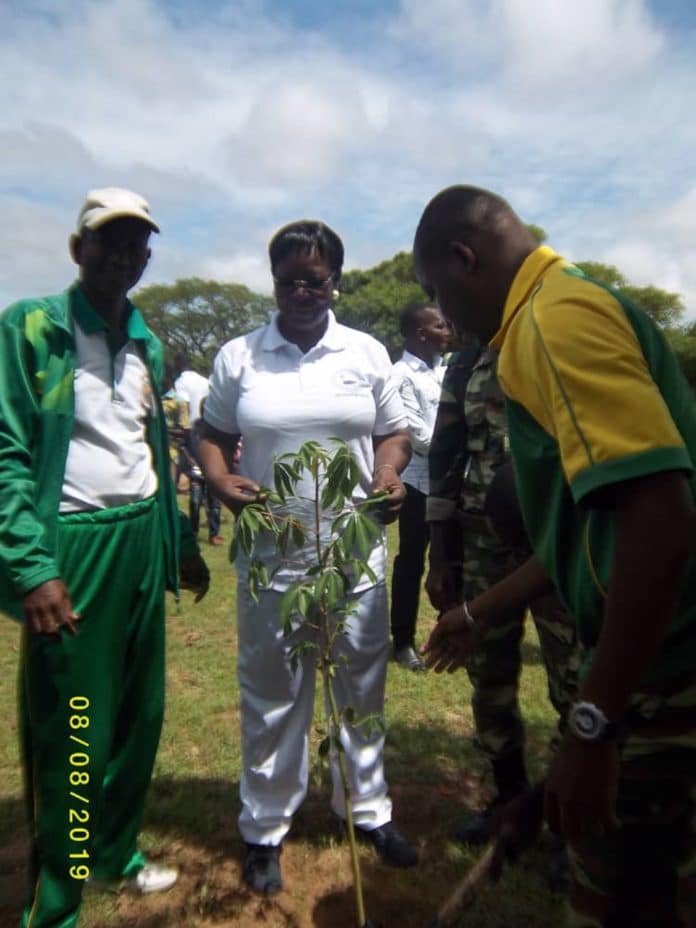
(448, 448)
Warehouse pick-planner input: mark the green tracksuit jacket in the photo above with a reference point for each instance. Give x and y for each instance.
(37, 369)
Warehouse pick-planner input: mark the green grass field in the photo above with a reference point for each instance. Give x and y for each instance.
(435, 775)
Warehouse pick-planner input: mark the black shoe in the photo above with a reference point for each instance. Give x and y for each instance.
(478, 828)
(391, 846)
(261, 868)
(510, 778)
(409, 658)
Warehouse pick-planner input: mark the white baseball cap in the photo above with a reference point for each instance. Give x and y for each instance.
(107, 203)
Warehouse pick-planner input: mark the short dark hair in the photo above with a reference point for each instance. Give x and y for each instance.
(454, 213)
(409, 318)
(304, 237)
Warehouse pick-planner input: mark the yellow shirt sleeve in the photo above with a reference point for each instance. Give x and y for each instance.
(591, 389)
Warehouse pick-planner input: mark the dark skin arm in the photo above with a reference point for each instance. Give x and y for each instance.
(216, 452)
(654, 531)
(453, 639)
(48, 608)
(195, 577)
(445, 563)
(392, 454)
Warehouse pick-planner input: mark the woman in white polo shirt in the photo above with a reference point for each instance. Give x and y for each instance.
(306, 376)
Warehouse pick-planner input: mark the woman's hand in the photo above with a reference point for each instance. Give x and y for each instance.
(236, 492)
(386, 480)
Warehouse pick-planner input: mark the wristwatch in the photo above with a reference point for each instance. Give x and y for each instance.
(587, 722)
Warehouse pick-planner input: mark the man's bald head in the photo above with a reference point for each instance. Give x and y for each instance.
(468, 247)
(459, 214)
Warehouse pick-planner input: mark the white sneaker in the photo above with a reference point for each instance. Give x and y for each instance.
(153, 879)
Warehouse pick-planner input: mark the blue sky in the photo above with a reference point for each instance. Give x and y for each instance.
(233, 118)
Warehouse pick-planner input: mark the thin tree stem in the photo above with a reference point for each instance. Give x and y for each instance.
(340, 756)
(325, 665)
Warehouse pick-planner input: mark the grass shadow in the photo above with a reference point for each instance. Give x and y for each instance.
(14, 855)
(435, 777)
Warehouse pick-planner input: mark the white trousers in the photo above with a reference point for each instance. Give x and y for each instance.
(277, 706)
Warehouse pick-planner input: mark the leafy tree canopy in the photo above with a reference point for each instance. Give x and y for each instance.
(372, 300)
(665, 308)
(196, 317)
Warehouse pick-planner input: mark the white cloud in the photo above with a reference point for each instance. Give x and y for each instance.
(34, 249)
(232, 124)
(548, 45)
(249, 269)
(659, 247)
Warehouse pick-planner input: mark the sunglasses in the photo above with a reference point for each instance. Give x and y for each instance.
(313, 283)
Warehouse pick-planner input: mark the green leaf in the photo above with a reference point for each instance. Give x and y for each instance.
(283, 537)
(371, 502)
(283, 479)
(288, 603)
(298, 532)
(362, 535)
(329, 589)
(253, 581)
(305, 601)
(371, 575)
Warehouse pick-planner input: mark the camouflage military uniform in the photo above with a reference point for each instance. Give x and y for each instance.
(464, 458)
(631, 877)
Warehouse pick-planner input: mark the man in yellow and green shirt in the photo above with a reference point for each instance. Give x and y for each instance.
(603, 435)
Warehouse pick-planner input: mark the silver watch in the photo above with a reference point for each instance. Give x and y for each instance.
(587, 722)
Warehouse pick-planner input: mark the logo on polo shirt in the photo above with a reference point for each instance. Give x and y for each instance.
(348, 380)
(146, 395)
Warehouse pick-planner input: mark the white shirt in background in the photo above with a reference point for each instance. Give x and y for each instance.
(419, 387)
(194, 389)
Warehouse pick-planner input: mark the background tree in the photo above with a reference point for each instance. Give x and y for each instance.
(372, 300)
(196, 317)
(665, 308)
(683, 342)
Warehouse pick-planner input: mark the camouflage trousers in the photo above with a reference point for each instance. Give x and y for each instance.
(494, 668)
(644, 874)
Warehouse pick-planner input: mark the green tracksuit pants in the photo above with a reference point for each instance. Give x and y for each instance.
(91, 709)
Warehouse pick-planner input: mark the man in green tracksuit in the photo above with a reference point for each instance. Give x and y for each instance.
(90, 536)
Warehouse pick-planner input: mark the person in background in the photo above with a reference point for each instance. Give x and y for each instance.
(304, 376)
(199, 489)
(176, 414)
(90, 536)
(190, 384)
(602, 430)
(418, 374)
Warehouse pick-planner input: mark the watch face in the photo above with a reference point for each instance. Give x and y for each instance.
(586, 723)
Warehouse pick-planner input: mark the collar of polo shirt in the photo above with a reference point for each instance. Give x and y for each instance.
(90, 321)
(331, 339)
